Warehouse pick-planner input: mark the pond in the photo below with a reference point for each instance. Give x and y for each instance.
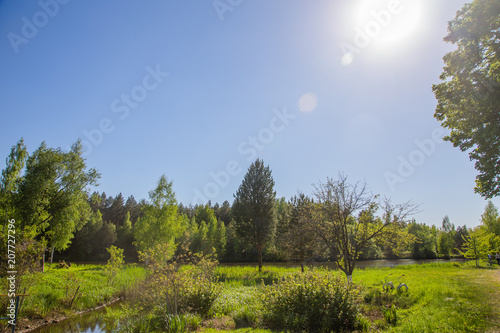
(92, 322)
(359, 264)
(89, 322)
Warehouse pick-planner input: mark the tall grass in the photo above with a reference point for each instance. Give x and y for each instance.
(250, 276)
(78, 287)
(441, 298)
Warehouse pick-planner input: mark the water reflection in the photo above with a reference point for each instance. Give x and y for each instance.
(359, 264)
(90, 322)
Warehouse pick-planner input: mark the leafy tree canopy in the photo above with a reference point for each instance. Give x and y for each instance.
(469, 94)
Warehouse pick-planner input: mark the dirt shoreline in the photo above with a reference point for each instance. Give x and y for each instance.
(26, 325)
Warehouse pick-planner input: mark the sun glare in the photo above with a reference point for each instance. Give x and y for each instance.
(385, 25)
(389, 21)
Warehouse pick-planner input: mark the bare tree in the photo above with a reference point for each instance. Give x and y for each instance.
(348, 220)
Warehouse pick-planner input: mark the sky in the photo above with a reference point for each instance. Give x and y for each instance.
(197, 90)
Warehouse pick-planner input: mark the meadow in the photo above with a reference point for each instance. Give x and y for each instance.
(442, 297)
(62, 292)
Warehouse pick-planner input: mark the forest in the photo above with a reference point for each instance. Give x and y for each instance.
(165, 260)
(46, 193)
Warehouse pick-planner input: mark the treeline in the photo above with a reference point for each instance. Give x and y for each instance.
(45, 196)
(212, 226)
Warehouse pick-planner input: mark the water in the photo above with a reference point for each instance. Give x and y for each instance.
(89, 322)
(92, 322)
(359, 264)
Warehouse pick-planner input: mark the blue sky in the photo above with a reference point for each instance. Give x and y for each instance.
(196, 90)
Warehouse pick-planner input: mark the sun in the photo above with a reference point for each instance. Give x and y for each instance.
(389, 21)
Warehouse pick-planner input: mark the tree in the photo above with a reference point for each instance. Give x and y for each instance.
(491, 219)
(52, 195)
(298, 237)
(254, 208)
(477, 244)
(461, 234)
(469, 94)
(446, 238)
(348, 220)
(278, 247)
(207, 233)
(223, 213)
(117, 211)
(424, 246)
(11, 178)
(133, 208)
(125, 238)
(160, 223)
(86, 241)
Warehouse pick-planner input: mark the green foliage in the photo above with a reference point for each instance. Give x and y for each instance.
(185, 284)
(46, 193)
(161, 222)
(348, 220)
(311, 303)
(206, 234)
(125, 238)
(254, 207)
(297, 235)
(445, 238)
(468, 95)
(11, 178)
(243, 304)
(477, 244)
(115, 262)
(52, 194)
(390, 315)
(92, 240)
(78, 287)
(491, 218)
(425, 245)
(236, 248)
(458, 238)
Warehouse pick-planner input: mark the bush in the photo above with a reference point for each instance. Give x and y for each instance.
(115, 262)
(312, 303)
(185, 284)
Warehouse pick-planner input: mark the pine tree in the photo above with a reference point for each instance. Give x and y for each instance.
(254, 207)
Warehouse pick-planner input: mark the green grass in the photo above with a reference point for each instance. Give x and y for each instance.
(250, 276)
(442, 297)
(446, 297)
(240, 330)
(76, 288)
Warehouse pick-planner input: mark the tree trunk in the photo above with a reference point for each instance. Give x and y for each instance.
(259, 254)
(302, 263)
(52, 253)
(43, 261)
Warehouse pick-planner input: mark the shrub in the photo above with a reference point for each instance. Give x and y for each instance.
(115, 262)
(185, 284)
(390, 315)
(312, 303)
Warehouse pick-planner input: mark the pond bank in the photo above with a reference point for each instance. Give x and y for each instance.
(33, 325)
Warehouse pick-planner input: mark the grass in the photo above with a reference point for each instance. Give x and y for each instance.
(441, 298)
(250, 276)
(444, 297)
(78, 287)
